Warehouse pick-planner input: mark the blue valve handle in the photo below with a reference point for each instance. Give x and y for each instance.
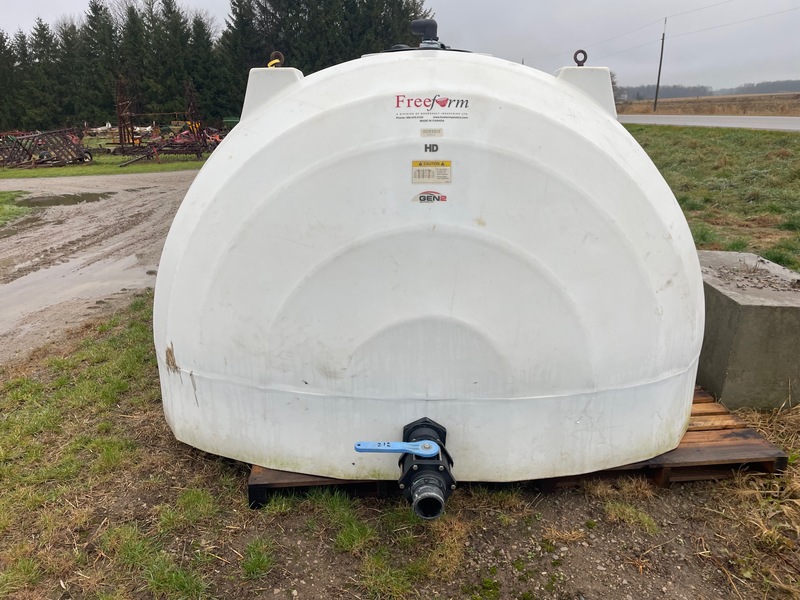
(423, 448)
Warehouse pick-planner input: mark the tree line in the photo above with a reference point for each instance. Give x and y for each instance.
(66, 74)
(648, 92)
(764, 87)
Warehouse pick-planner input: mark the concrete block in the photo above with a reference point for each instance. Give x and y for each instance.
(751, 350)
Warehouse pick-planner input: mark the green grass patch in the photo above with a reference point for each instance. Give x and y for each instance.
(167, 579)
(130, 546)
(704, 235)
(17, 576)
(352, 533)
(627, 513)
(738, 244)
(193, 506)
(259, 558)
(379, 578)
(280, 504)
(739, 189)
(141, 555)
(8, 209)
(63, 433)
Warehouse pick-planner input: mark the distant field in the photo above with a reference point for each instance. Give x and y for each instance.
(785, 105)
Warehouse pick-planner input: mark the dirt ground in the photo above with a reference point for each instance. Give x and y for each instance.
(65, 263)
(88, 242)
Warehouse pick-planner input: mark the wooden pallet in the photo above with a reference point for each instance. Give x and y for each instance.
(715, 446)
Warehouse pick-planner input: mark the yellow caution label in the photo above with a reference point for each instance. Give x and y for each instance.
(431, 163)
(431, 171)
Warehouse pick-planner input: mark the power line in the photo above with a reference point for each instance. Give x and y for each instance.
(659, 21)
(626, 50)
(780, 12)
(629, 32)
(616, 37)
(696, 9)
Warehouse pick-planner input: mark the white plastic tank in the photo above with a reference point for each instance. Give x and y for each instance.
(437, 234)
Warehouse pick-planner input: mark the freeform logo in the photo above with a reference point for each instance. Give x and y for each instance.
(430, 103)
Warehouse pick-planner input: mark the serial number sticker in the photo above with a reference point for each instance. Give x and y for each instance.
(432, 132)
(431, 171)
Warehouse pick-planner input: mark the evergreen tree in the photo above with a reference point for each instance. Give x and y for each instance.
(43, 106)
(21, 85)
(133, 51)
(67, 75)
(242, 48)
(204, 69)
(67, 80)
(312, 34)
(152, 92)
(171, 46)
(316, 34)
(98, 47)
(6, 82)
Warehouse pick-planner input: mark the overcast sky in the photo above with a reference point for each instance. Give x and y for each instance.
(738, 44)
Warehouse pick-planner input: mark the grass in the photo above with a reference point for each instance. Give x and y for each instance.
(352, 534)
(95, 493)
(70, 432)
(739, 189)
(8, 210)
(259, 558)
(191, 507)
(107, 164)
(624, 512)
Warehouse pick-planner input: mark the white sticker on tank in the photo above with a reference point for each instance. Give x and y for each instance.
(431, 171)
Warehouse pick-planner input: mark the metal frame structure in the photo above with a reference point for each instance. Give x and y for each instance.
(43, 149)
(130, 145)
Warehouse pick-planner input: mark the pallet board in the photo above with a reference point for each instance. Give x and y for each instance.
(715, 446)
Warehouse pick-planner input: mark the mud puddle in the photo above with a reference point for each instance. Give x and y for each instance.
(63, 199)
(19, 225)
(73, 280)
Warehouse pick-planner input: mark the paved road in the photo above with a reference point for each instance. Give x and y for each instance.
(739, 122)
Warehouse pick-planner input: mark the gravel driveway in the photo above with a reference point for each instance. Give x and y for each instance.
(86, 245)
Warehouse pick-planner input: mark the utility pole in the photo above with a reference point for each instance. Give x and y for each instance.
(660, 61)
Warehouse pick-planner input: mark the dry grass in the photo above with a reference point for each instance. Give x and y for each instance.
(767, 510)
(635, 488)
(600, 489)
(563, 536)
(627, 488)
(755, 104)
(447, 537)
